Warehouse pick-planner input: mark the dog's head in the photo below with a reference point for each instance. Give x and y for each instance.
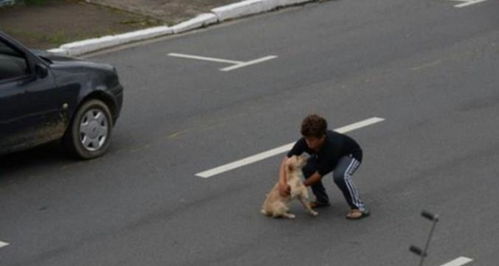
(295, 163)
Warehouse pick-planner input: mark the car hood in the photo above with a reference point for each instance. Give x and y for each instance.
(52, 56)
(60, 61)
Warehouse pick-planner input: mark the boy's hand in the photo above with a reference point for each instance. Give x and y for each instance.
(284, 190)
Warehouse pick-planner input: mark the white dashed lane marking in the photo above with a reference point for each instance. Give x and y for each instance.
(249, 63)
(236, 64)
(279, 150)
(458, 262)
(465, 3)
(3, 244)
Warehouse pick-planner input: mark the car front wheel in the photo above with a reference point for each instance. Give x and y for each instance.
(89, 134)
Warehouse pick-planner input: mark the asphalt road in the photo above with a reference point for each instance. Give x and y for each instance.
(431, 70)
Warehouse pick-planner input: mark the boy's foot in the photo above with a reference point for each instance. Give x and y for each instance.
(356, 214)
(318, 204)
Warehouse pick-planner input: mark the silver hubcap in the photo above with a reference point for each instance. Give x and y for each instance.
(93, 129)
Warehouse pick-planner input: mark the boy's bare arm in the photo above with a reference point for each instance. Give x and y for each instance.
(284, 188)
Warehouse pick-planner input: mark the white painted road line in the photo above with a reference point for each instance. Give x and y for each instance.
(279, 150)
(3, 244)
(458, 262)
(236, 64)
(245, 64)
(467, 2)
(203, 58)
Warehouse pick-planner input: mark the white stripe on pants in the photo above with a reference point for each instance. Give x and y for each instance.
(343, 179)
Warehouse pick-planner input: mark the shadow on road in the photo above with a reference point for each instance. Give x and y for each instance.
(32, 161)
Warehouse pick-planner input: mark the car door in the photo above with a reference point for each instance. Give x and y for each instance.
(27, 116)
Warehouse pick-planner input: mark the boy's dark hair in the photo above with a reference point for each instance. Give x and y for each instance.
(314, 126)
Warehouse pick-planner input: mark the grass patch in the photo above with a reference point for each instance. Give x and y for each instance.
(22, 22)
(55, 39)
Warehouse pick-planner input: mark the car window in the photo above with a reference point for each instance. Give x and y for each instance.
(13, 64)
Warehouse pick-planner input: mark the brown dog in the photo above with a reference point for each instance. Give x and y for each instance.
(276, 205)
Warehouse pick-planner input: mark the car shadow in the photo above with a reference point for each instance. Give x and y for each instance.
(51, 155)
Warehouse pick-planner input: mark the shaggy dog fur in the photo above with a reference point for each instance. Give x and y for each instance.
(276, 205)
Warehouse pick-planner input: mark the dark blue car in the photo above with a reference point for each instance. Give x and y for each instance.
(46, 97)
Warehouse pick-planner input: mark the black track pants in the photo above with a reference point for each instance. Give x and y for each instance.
(342, 176)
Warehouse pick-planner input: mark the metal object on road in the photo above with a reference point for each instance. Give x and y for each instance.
(418, 251)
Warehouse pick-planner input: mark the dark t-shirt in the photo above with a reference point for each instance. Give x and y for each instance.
(335, 146)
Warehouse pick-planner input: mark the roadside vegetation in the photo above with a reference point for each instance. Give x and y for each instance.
(46, 24)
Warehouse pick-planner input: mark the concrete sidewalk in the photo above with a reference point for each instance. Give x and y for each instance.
(216, 15)
(75, 27)
(68, 21)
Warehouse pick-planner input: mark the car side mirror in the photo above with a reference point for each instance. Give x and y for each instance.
(41, 71)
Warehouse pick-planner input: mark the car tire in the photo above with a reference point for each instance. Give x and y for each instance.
(89, 133)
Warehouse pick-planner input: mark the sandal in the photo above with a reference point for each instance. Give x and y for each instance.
(356, 214)
(318, 204)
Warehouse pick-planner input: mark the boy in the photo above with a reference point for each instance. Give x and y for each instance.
(329, 152)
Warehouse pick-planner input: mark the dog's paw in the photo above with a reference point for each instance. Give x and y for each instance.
(289, 216)
(314, 213)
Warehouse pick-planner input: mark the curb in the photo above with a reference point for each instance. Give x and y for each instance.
(217, 15)
(241, 9)
(251, 7)
(92, 45)
(197, 22)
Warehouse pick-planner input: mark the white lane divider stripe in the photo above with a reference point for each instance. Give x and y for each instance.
(245, 64)
(3, 244)
(203, 58)
(467, 2)
(458, 262)
(236, 64)
(279, 150)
